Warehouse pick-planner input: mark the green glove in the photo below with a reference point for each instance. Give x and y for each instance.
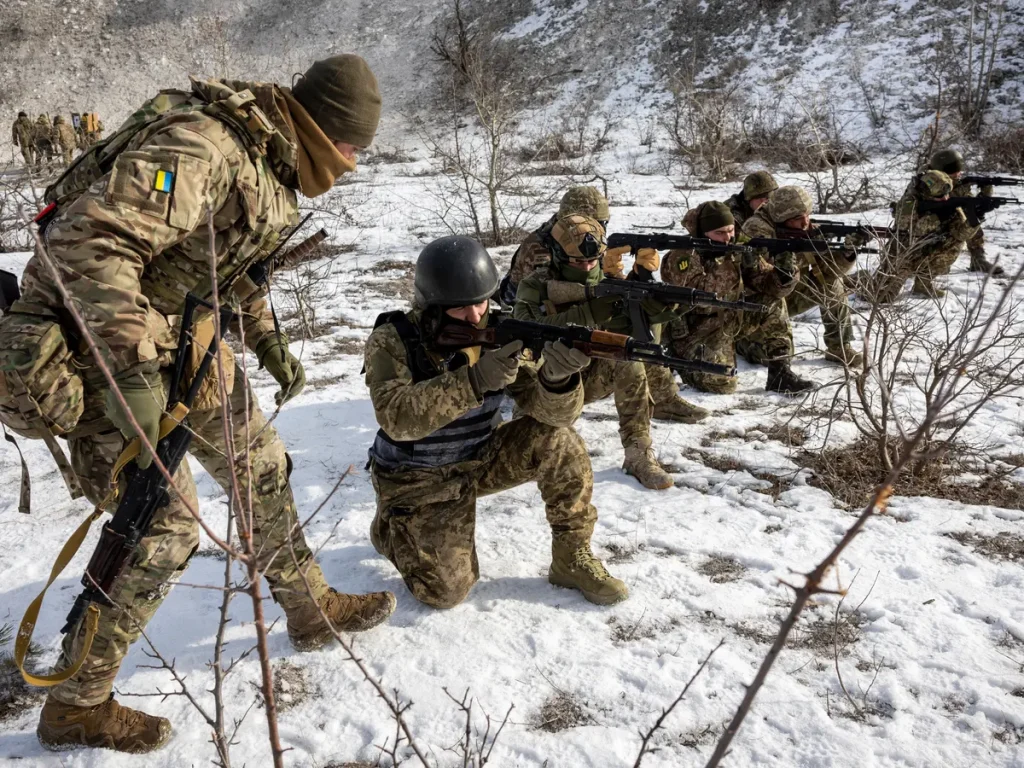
(604, 308)
(657, 313)
(496, 369)
(785, 266)
(144, 394)
(274, 355)
(561, 362)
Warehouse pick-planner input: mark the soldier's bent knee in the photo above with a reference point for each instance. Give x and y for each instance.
(445, 594)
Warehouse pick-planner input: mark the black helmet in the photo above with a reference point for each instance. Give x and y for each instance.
(947, 161)
(22, 114)
(454, 272)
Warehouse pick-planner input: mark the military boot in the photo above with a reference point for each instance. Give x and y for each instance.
(578, 568)
(845, 356)
(108, 725)
(927, 289)
(668, 405)
(639, 462)
(980, 264)
(782, 379)
(348, 613)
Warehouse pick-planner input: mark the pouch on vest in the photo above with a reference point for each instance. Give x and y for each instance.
(209, 395)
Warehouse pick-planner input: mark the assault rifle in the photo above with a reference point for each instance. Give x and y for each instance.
(837, 229)
(594, 343)
(145, 490)
(992, 181)
(670, 242)
(974, 208)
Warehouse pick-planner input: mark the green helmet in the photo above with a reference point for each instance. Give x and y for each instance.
(454, 272)
(949, 161)
(934, 184)
(759, 184)
(584, 201)
(786, 203)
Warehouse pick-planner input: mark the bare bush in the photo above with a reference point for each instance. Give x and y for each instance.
(1002, 148)
(706, 127)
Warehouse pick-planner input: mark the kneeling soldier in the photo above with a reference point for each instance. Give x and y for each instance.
(442, 443)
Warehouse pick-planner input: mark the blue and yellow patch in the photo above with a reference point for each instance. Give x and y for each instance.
(164, 181)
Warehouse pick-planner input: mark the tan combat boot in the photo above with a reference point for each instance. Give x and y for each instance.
(668, 405)
(579, 569)
(640, 463)
(846, 356)
(348, 613)
(108, 725)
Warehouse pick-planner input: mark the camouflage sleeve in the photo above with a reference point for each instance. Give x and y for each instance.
(755, 226)
(681, 267)
(106, 237)
(256, 322)
(408, 410)
(530, 306)
(759, 274)
(531, 256)
(556, 409)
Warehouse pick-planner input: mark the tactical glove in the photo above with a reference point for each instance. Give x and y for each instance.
(273, 353)
(785, 267)
(611, 264)
(496, 369)
(648, 258)
(144, 394)
(561, 362)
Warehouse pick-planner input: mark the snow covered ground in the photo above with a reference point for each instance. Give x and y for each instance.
(930, 640)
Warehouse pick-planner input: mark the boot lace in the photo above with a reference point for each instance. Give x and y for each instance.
(583, 559)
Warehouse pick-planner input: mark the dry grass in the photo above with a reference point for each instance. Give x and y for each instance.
(292, 686)
(560, 713)
(16, 696)
(630, 631)
(786, 434)
(722, 569)
(1002, 547)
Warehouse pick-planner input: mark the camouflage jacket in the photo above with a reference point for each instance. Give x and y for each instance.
(829, 264)
(409, 410)
(42, 131)
(532, 253)
(23, 132)
(532, 303)
(927, 238)
(65, 135)
(137, 240)
(741, 210)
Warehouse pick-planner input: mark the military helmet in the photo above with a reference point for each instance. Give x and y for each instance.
(948, 161)
(787, 203)
(58, 119)
(758, 184)
(23, 114)
(934, 184)
(454, 271)
(579, 237)
(585, 201)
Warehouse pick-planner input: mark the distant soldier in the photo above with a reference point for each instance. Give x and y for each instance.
(924, 246)
(821, 282)
(951, 163)
(756, 189)
(536, 251)
(65, 135)
(42, 138)
(23, 135)
(93, 129)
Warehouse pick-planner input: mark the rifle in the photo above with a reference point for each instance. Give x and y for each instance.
(661, 242)
(974, 208)
(145, 491)
(593, 343)
(837, 229)
(992, 181)
(261, 271)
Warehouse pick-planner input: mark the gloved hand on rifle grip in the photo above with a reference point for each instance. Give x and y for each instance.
(648, 258)
(273, 353)
(496, 369)
(561, 362)
(145, 397)
(785, 267)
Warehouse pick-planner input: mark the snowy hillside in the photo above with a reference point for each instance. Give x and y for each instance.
(929, 642)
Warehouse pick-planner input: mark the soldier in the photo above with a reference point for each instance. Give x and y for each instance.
(131, 243)
(441, 443)
(42, 138)
(711, 334)
(923, 247)
(65, 135)
(822, 280)
(578, 244)
(535, 252)
(95, 134)
(951, 163)
(756, 189)
(23, 136)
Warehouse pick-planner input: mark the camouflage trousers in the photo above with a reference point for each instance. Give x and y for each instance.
(27, 155)
(830, 294)
(628, 383)
(163, 555)
(765, 336)
(426, 518)
(924, 265)
(711, 338)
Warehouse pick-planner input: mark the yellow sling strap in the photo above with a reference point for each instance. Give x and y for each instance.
(67, 553)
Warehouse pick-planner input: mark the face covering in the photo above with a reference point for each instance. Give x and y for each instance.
(577, 275)
(320, 162)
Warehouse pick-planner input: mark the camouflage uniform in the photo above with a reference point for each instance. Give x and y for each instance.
(65, 136)
(759, 184)
(130, 252)
(23, 136)
(426, 515)
(43, 140)
(976, 244)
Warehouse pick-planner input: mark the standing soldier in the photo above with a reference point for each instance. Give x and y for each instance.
(711, 334)
(822, 273)
(442, 444)
(951, 163)
(536, 251)
(23, 136)
(756, 189)
(131, 240)
(43, 140)
(578, 244)
(65, 138)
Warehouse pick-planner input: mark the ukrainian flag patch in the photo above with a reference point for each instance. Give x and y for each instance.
(164, 181)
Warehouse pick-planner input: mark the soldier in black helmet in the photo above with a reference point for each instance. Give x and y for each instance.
(442, 442)
(951, 163)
